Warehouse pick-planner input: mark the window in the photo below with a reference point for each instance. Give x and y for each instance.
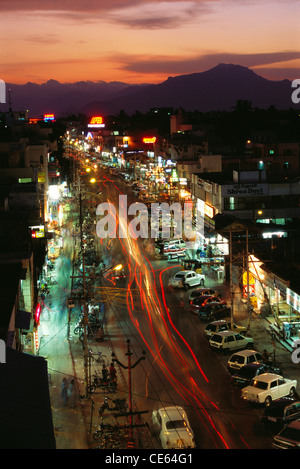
(273, 384)
(286, 165)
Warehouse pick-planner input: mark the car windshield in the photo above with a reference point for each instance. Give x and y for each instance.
(217, 338)
(176, 424)
(179, 275)
(259, 384)
(211, 327)
(237, 359)
(291, 433)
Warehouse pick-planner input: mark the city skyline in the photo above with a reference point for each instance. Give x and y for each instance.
(145, 42)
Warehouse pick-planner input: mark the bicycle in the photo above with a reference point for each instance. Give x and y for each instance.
(112, 435)
(120, 405)
(101, 383)
(100, 358)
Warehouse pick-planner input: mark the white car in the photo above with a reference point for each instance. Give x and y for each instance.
(186, 279)
(268, 387)
(228, 341)
(174, 244)
(173, 428)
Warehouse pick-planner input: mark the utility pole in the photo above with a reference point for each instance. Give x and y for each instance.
(85, 317)
(231, 279)
(129, 367)
(247, 267)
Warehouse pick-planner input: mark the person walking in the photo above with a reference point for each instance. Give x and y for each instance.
(113, 373)
(104, 373)
(64, 391)
(72, 394)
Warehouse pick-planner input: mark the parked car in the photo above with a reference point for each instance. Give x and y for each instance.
(220, 326)
(244, 375)
(186, 279)
(173, 428)
(281, 412)
(203, 292)
(212, 312)
(198, 302)
(173, 251)
(242, 358)
(228, 341)
(288, 437)
(176, 256)
(269, 387)
(174, 244)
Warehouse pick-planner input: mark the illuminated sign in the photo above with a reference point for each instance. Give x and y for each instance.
(34, 120)
(209, 211)
(293, 299)
(37, 231)
(96, 122)
(41, 177)
(49, 117)
(37, 313)
(149, 139)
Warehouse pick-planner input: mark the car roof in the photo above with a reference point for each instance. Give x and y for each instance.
(245, 353)
(172, 412)
(220, 321)
(227, 333)
(283, 402)
(267, 377)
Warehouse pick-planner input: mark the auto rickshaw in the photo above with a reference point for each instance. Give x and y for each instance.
(191, 264)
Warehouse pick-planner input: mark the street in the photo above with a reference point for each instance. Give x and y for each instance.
(179, 369)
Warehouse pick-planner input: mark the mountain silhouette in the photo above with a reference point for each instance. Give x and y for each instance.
(216, 89)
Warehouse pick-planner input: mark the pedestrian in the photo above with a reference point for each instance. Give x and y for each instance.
(266, 357)
(113, 373)
(64, 391)
(104, 373)
(72, 393)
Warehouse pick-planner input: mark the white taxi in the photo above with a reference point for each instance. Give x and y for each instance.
(268, 387)
(173, 428)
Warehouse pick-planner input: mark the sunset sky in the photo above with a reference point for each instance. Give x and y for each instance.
(140, 41)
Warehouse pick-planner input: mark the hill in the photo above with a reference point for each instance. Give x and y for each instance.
(216, 89)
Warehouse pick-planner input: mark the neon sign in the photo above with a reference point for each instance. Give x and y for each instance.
(96, 122)
(149, 139)
(49, 117)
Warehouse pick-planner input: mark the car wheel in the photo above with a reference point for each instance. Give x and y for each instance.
(202, 282)
(268, 401)
(292, 392)
(186, 286)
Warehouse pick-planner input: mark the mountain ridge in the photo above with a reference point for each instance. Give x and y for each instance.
(218, 88)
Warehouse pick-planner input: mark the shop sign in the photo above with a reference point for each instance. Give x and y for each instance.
(149, 140)
(96, 122)
(293, 299)
(245, 190)
(209, 211)
(37, 231)
(251, 285)
(41, 177)
(36, 340)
